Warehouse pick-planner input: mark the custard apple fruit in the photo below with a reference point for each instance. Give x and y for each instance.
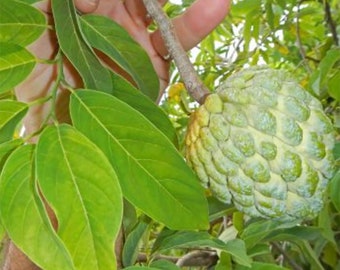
(264, 143)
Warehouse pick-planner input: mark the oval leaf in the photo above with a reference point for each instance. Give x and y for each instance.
(82, 188)
(16, 63)
(20, 23)
(132, 243)
(187, 240)
(334, 191)
(130, 95)
(6, 149)
(23, 214)
(11, 113)
(262, 266)
(333, 86)
(112, 39)
(93, 73)
(152, 174)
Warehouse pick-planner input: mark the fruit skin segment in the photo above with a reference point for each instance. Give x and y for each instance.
(263, 143)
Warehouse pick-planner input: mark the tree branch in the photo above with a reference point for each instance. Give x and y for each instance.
(291, 261)
(192, 82)
(330, 22)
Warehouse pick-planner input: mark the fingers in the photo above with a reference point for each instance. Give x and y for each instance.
(86, 6)
(137, 11)
(195, 24)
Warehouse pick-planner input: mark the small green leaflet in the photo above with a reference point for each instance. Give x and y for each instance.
(262, 266)
(255, 232)
(20, 23)
(82, 188)
(23, 215)
(153, 175)
(132, 243)
(189, 239)
(334, 189)
(11, 113)
(16, 63)
(319, 80)
(110, 38)
(141, 268)
(164, 265)
(334, 86)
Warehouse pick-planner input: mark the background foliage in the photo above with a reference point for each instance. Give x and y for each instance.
(120, 161)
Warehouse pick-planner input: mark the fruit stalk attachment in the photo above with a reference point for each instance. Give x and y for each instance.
(192, 82)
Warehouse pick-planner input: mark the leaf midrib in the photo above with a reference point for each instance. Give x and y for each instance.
(78, 193)
(130, 156)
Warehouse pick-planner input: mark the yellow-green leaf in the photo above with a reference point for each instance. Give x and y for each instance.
(16, 63)
(82, 188)
(153, 175)
(11, 113)
(109, 37)
(23, 214)
(20, 23)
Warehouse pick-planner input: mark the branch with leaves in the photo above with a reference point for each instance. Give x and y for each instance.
(192, 82)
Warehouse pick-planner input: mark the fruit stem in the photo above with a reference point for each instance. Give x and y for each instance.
(192, 82)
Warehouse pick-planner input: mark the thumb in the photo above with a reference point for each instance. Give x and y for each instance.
(86, 6)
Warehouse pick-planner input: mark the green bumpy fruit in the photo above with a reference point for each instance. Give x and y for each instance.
(265, 144)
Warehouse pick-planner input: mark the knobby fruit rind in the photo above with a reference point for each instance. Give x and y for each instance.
(264, 143)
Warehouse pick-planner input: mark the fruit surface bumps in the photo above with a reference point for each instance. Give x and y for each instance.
(264, 143)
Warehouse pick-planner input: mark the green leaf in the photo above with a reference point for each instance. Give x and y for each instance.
(302, 236)
(127, 93)
(218, 209)
(259, 249)
(163, 264)
(255, 232)
(334, 189)
(2, 232)
(153, 175)
(20, 23)
(93, 73)
(262, 266)
(237, 249)
(224, 262)
(23, 214)
(112, 39)
(27, 1)
(16, 63)
(132, 243)
(241, 8)
(270, 14)
(291, 234)
(6, 148)
(336, 150)
(141, 268)
(319, 79)
(325, 223)
(310, 255)
(11, 113)
(334, 86)
(82, 188)
(251, 27)
(188, 239)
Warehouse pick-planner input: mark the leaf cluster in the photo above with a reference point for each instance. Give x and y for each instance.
(117, 165)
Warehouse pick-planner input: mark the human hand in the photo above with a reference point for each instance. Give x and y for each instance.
(191, 27)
